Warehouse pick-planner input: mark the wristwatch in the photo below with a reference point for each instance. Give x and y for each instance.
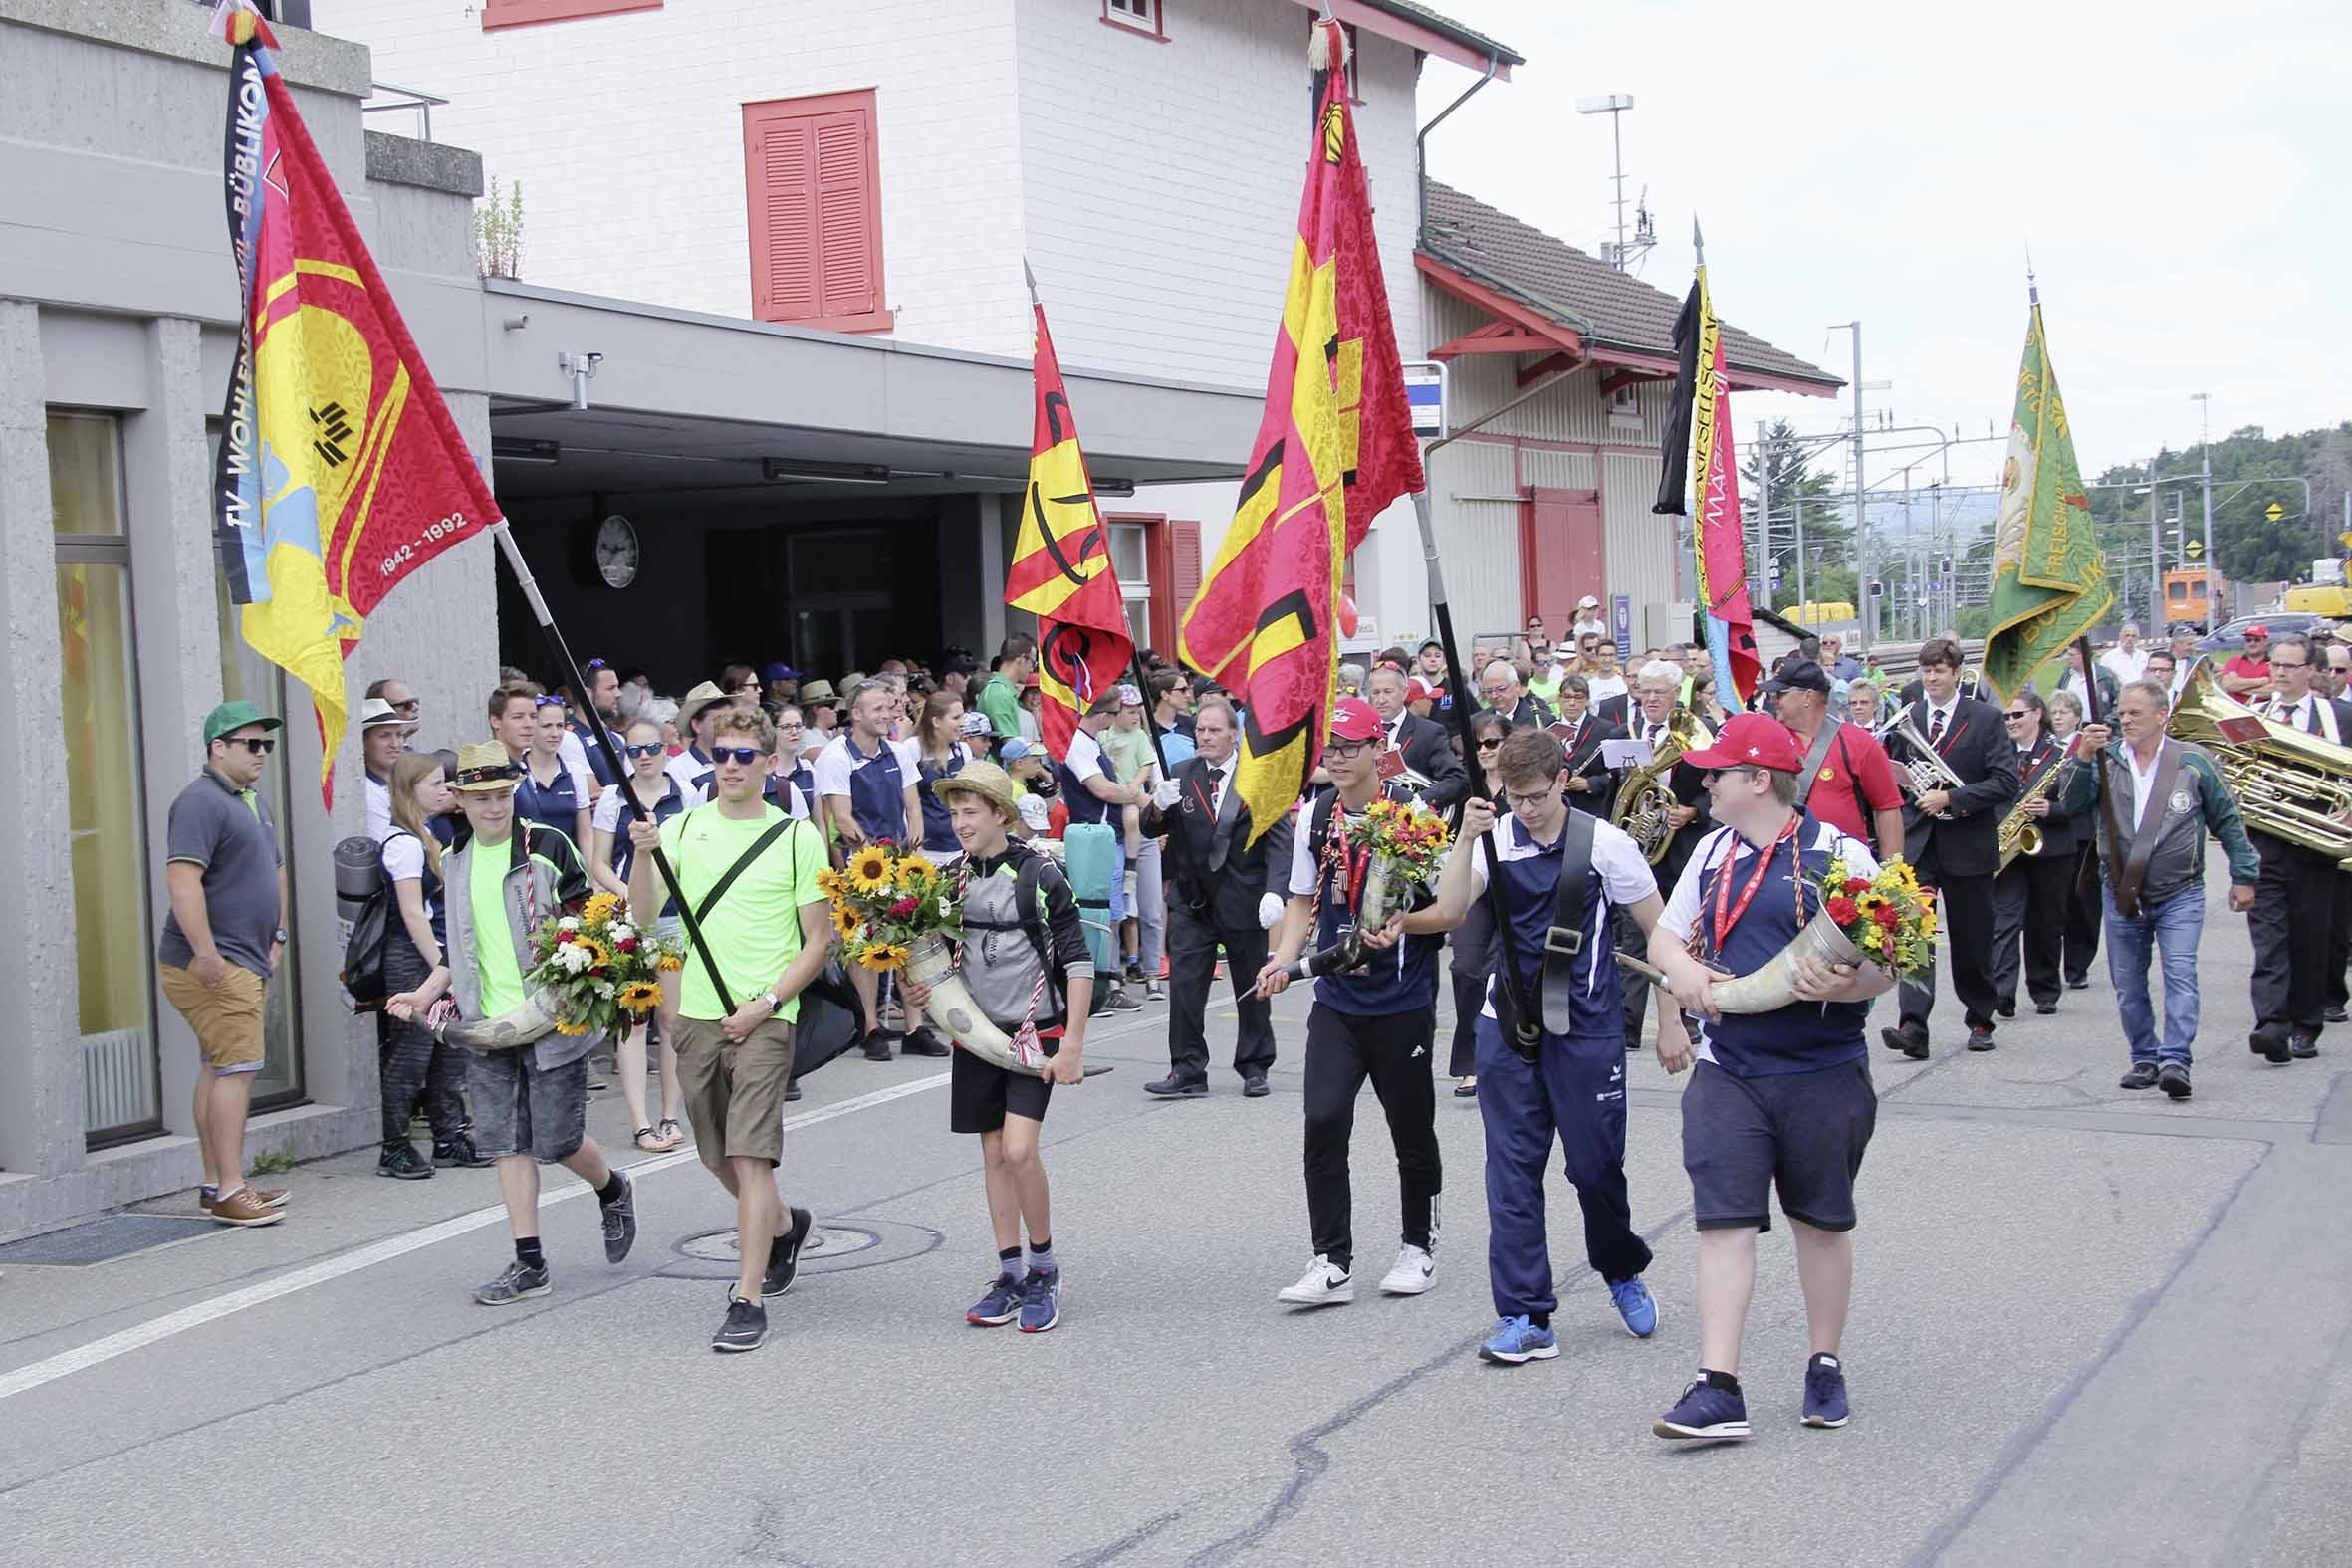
(774, 1000)
(279, 936)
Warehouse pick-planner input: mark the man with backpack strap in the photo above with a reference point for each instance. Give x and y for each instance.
(1376, 1021)
(749, 873)
(1024, 958)
(1847, 781)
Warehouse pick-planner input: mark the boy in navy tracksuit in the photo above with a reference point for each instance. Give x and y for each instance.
(1574, 1089)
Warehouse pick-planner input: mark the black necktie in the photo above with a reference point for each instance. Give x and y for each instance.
(2311, 716)
(1935, 725)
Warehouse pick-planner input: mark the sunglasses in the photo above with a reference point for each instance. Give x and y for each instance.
(1489, 745)
(545, 701)
(1713, 774)
(595, 664)
(258, 745)
(742, 755)
(648, 748)
(410, 707)
(2014, 712)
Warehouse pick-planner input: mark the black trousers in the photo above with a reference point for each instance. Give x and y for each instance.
(2291, 923)
(1968, 923)
(413, 1064)
(1192, 967)
(1470, 995)
(2084, 917)
(2030, 904)
(2339, 944)
(1627, 935)
(1392, 1049)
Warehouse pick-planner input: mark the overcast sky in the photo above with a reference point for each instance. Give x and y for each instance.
(2178, 170)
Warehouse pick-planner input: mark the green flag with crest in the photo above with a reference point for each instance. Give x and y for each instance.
(2049, 579)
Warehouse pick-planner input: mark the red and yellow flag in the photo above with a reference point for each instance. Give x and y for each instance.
(1335, 447)
(340, 471)
(1060, 568)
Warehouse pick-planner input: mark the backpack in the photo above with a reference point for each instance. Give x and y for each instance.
(371, 923)
(1054, 1006)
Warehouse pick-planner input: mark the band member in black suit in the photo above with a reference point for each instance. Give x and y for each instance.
(2085, 917)
(1221, 890)
(1658, 689)
(1500, 685)
(1425, 744)
(1948, 836)
(1590, 786)
(2293, 916)
(2031, 898)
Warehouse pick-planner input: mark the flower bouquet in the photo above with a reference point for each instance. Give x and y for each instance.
(598, 968)
(886, 902)
(1888, 917)
(1407, 843)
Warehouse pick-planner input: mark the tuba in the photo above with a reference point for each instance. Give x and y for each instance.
(1644, 799)
(2289, 784)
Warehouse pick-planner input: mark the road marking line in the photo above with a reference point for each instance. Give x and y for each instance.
(83, 1357)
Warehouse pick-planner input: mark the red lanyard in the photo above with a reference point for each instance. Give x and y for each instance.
(1351, 867)
(1727, 912)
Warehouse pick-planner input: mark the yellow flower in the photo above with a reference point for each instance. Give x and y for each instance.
(869, 870)
(829, 882)
(597, 953)
(883, 957)
(566, 1026)
(639, 996)
(915, 872)
(845, 922)
(670, 964)
(598, 910)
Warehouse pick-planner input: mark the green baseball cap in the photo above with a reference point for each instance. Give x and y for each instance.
(236, 716)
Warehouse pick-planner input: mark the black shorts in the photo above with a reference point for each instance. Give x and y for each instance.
(1804, 1131)
(981, 1093)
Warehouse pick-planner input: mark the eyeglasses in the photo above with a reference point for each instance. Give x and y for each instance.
(741, 755)
(1518, 801)
(649, 749)
(1347, 751)
(258, 745)
(408, 707)
(2290, 664)
(1489, 744)
(2014, 712)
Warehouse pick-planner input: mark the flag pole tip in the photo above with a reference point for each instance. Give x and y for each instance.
(1326, 46)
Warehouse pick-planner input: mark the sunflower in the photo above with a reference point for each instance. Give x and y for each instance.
(845, 922)
(883, 957)
(670, 962)
(566, 1026)
(599, 909)
(639, 997)
(916, 872)
(869, 870)
(830, 883)
(598, 953)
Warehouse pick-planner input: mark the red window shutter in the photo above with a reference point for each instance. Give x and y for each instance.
(813, 201)
(1184, 562)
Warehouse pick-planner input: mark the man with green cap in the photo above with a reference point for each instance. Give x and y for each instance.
(221, 942)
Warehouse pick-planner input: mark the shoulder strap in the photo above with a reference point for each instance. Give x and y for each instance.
(2134, 870)
(1318, 822)
(743, 863)
(1025, 907)
(1555, 983)
(1822, 741)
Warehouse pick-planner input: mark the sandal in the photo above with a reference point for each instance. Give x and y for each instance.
(651, 1142)
(672, 1131)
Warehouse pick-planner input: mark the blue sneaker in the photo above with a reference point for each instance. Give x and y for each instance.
(1517, 1339)
(1825, 1392)
(1000, 1306)
(1635, 1306)
(1704, 1412)
(1040, 1300)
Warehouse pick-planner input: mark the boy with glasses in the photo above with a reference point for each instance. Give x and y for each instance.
(865, 782)
(221, 942)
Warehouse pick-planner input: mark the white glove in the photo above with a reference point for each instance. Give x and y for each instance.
(1164, 794)
(1270, 911)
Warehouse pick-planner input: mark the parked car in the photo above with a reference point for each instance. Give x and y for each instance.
(2279, 623)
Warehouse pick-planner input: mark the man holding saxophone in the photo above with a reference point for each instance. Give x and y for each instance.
(1963, 771)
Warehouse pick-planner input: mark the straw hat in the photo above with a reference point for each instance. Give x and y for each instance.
(985, 780)
(815, 691)
(701, 697)
(483, 766)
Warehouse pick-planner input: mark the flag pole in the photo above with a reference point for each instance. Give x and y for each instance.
(505, 533)
(1526, 1034)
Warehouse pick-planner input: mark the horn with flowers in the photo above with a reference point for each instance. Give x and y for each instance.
(1887, 920)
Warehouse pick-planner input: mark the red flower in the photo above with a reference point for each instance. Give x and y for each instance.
(628, 944)
(1841, 910)
(562, 936)
(1888, 916)
(904, 909)
(1856, 884)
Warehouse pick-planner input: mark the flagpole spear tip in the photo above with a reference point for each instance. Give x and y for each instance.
(1031, 279)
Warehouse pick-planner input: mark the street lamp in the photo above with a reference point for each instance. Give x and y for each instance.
(2204, 453)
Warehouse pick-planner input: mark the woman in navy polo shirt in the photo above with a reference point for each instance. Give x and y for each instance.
(548, 792)
(658, 793)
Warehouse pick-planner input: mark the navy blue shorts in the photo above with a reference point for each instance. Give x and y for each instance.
(1803, 1132)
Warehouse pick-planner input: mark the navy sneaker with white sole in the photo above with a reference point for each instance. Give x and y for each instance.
(1040, 1300)
(1707, 1412)
(1826, 1391)
(1000, 1306)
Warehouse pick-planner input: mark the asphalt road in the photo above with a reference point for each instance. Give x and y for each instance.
(2090, 1326)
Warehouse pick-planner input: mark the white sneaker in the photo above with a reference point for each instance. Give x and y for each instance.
(1324, 1283)
(1415, 1271)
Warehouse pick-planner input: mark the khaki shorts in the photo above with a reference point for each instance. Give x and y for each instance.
(226, 1017)
(734, 1093)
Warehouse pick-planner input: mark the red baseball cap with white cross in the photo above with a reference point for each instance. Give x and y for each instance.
(1750, 739)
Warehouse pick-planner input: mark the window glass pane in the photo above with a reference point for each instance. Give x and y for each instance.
(1139, 621)
(245, 676)
(85, 493)
(1126, 552)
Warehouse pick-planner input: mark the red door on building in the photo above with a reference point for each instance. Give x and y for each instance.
(1562, 555)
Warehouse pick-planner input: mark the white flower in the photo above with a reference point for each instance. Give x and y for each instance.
(572, 958)
(568, 923)
(623, 931)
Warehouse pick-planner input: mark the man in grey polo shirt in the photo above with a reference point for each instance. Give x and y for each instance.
(221, 942)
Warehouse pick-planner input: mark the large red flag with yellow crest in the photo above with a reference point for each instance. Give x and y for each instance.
(1335, 447)
(340, 471)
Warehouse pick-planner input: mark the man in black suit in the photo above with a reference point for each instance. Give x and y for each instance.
(1423, 743)
(1499, 683)
(1657, 691)
(1589, 784)
(1221, 890)
(1949, 837)
(2296, 908)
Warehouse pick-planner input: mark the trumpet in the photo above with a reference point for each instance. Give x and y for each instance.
(1925, 769)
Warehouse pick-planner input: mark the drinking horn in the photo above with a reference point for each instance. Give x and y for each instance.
(1769, 988)
(951, 1009)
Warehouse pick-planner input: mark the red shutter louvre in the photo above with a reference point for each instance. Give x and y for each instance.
(1184, 553)
(813, 201)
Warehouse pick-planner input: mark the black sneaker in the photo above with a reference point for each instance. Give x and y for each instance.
(784, 1256)
(2142, 1077)
(1913, 1046)
(2046, 1008)
(2007, 1006)
(877, 1045)
(2173, 1079)
(1980, 1040)
(460, 1151)
(403, 1163)
(2302, 1047)
(2078, 982)
(1254, 1086)
(746, 1327)
(792, 1091)
(922, 1042)
(1120, 1001)
(514, 1282)
(1133, 974)
(2335, 1014)
(620, 1222)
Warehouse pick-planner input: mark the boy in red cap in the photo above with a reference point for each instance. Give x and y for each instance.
(1375, 1021)
(1780, 1099)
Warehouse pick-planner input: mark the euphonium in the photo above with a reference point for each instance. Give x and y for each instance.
(2290, 782)
(1644, 799)
(2019, 834)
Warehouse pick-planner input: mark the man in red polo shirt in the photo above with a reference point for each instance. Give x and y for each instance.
(1847, 781)
(2247, 676)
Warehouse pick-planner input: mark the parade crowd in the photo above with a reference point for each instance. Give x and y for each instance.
(2061, 820)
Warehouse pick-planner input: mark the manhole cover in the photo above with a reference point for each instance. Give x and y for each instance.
(104, 1240)
(713, 1254)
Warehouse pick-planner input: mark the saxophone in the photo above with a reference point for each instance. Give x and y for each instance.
(1644, 799)
(2019, 834)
